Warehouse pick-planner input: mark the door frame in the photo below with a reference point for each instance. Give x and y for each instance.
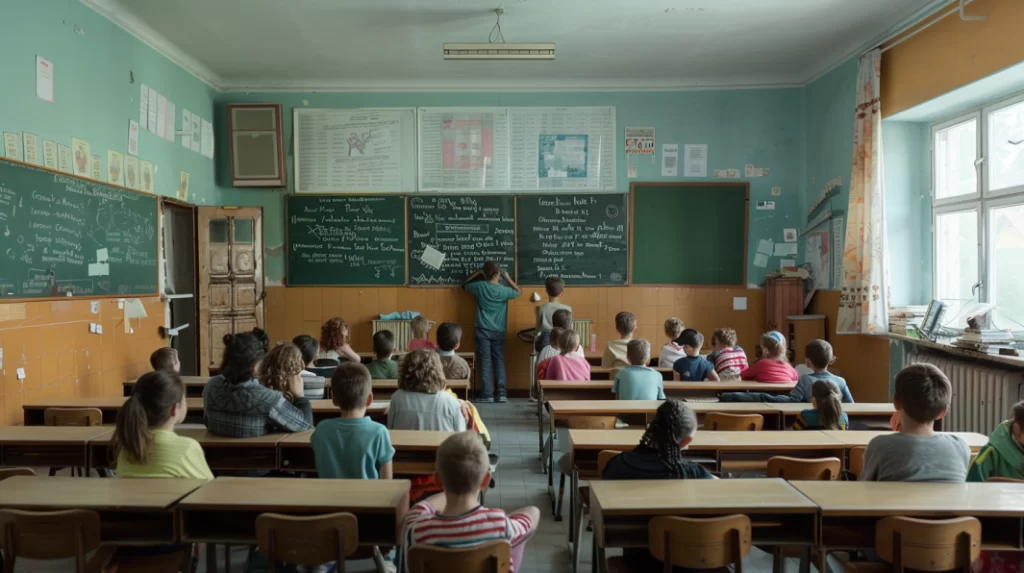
(181, 206)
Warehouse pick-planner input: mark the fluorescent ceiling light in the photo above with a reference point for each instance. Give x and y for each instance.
(488, 51)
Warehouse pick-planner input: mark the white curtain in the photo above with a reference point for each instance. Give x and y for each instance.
(864, 302)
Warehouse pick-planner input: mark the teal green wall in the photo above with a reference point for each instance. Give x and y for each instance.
(906, 153)
(762, 127)
(94, 98)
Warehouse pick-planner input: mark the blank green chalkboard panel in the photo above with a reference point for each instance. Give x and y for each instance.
(584, 239)
(62, 235)
(346, 239)
(690, 233)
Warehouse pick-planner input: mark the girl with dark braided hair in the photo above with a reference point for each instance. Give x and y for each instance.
(660, 453)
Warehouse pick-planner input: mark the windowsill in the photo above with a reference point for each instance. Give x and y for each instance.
(1015, 361)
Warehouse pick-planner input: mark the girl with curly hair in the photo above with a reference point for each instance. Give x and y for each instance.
(281, 370)
(334, 343)
(420, 403)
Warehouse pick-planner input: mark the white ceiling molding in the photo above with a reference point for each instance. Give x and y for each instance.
(145, 34)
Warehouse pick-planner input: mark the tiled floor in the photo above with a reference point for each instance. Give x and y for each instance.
(520, 482)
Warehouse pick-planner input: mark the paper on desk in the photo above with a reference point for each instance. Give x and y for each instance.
(785, 249)
(761, 260)
(764, 246)
(432, 257)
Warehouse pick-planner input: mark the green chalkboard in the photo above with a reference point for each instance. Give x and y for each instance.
(468, 230)
(584, 239)
(690, 233)
(346, 239)
(66, 236)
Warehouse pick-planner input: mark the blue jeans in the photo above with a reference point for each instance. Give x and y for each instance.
(490, 353)
(543, 339)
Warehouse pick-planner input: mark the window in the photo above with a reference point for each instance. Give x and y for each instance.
(978, 210)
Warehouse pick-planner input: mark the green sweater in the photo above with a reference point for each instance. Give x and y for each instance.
(1002, 456)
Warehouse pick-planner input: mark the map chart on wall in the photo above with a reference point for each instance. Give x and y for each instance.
(463, 149)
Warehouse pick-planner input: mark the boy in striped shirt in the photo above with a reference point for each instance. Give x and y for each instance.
(455, 518)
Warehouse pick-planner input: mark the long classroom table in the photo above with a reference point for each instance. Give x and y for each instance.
(132, 511)
(194, 386)
(415, 451)
(382, 389)
(46, 446)
(605, 372)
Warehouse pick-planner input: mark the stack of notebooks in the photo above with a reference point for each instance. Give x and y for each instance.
(987, 341)
(906, 320)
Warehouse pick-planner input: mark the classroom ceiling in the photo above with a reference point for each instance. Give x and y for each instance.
(601, 44)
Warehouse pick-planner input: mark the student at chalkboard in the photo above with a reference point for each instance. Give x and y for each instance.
(420, 334)
(615, 353)
(334, 346)
(491, 326)
(545, 312)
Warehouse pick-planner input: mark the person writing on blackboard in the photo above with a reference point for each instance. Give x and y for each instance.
(491, 326)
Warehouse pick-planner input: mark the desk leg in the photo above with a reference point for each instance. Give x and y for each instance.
(551, 461)
(573, 477)
(540, 427)
(211, 558)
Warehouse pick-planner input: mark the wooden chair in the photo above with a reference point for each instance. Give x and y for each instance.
(925, 545)
(307, 540)
(11, 472)
(72, 417)
(579, 423)
(821, 469)
(51, 535)
(857, 460)
(722, 422)
(691, 543)
(491, 557)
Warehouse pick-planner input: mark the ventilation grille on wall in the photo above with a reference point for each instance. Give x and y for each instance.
(982, 394)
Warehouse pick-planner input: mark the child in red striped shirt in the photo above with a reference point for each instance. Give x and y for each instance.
(729, 359)
(455, 517)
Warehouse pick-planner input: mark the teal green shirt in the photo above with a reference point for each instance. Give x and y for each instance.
(351, 448)
(491, 304)
(383, 369)
(639, 383)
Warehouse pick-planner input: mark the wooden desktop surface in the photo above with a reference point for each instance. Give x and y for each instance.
(51, 435)
(406, 440)
(670, 497)
(853, 439)
(614, 407)
(857, 409)
(71, 493)
(706, 440)
(879, 499)
(672, 386)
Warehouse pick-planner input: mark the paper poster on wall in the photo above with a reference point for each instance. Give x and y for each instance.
(640, 141)
(161, 116)
(196, 130)
(154, 103)
(172, 120)
(115, 167)
(12, 146)
(44, 79)
(761, 260)
(695, 161)
(131, 172)
(765, 246)
(838, 236)
(49, 154)
(64, 158)
(631, 171)
(146, 176)
(206, 141)
(96, 172)
(81, 152)
(31, 148)
(817, 253)
(186, 126)
(143, 106)
(183, 186)
(785, 249)
(669, 159)
(562, 156)
(133, 137)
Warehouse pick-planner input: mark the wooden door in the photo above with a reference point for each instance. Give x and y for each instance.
(230, 276)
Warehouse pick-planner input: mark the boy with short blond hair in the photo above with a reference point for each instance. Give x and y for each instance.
(917, 452)
(455, 518)
(352, 446)
(693, 367)
(672, 350)
(615, 352)
(420, 327)
(637, 381)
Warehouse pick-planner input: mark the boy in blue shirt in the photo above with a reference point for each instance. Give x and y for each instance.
(693, 367)
(637, 381)
(491, 325)
(352, 446)
(819, 358)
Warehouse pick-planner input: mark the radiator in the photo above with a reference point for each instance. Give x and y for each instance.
(983, 394)
(402, 330)
(582, 328)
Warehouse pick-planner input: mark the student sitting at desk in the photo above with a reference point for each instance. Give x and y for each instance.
(165, 358)
(420, 403)
(637, 381)
(672, 350)
(554, 347)
(819, 358)
(562, 319)
(692, 367)
(917, 452)
(312, 383)
(334, 344)
(729, 359)
(352, 446)
(455, 517)
(772, 367)
(1002, 457)
(383, 366)
(449, 338)
(281, 370)
(568, 365)
(615, 353)
(420, 327)
(826, 411)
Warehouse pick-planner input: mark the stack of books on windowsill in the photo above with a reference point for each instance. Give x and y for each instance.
(987, 341)
(906, 320)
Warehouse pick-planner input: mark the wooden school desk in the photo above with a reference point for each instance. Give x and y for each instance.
(34, 446)
(383, 389)
(849, 510)
(876, 415)
(225, 510)
(325, 410)
(605, 372)
(620, 510)
(193, 386)
(34, 410)
(415, 451)
(132, 511)
(852, 439)
(222, 453)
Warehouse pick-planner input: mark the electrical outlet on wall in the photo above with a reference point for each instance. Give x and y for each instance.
(92, 328)
(99, 329)
(21, 373)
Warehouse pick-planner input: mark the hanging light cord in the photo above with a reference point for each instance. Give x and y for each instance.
(496, 37)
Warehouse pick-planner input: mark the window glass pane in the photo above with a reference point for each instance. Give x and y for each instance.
(218, 230)
(956, 258)
(956, 149)
(243, 230)
(1006, 237)
(1006, 160)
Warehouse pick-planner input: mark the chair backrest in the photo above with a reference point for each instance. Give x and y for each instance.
(709, 543)
(72, 417)
(11, 472)
(49, 535)
(991, 479)
(820, 469)
(722, 422)
(325, 371)
(591, 422)
(857, 460)
(603, 457)
(491, 557)
(928, 545)
(307, 540)
(327, 362)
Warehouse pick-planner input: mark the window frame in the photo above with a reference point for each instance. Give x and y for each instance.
(983, 200)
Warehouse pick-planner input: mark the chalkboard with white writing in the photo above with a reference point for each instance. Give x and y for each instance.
(346, 239)
(584, 239)
(467, 230)
(66, 236)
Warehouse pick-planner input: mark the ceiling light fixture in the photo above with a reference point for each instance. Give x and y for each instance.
(497, 49)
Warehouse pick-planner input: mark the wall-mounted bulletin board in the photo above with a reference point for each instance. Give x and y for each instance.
(62, 235)
(690, 233)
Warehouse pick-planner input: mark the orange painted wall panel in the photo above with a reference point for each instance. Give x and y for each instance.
(861, 359)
